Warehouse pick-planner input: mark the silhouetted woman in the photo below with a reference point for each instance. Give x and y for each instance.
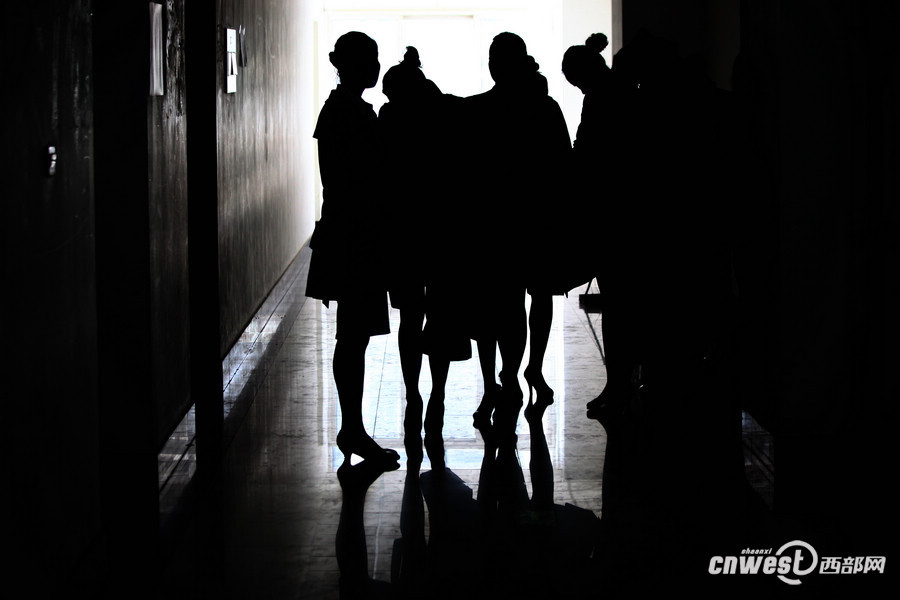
(410, 125)
(344, 266)
(549, 214)
(600, 151)
(513, 125)
(586, 69)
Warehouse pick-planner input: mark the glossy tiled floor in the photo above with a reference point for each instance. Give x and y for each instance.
(283, 496)
(498, 525)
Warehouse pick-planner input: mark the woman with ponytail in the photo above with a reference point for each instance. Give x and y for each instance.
(413, 126)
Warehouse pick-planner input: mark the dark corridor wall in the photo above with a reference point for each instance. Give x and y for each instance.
(144, 326)
(260, 134)
(142, 236)
(96, 263)
(50, 499)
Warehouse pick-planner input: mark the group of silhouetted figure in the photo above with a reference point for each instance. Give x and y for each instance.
(452, 209)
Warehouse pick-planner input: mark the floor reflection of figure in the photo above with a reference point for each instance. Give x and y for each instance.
(563, 537)
(458, 564)
(350, 541)
(535, 547)
(408, 562)
(540, 466)
(499, 543)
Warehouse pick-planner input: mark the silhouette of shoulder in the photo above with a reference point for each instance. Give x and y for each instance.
(344, 115)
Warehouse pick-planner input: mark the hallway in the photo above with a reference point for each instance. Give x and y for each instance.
(170, 431)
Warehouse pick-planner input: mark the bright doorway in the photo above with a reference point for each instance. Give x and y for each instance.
(453, 37)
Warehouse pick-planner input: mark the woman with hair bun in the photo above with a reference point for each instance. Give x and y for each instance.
(405, 82)
(586, 69)
(414, 125)
(343, 267)
(602, 159)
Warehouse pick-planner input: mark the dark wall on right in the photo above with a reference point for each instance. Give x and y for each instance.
(818, 88)
(821, 80)
(710, 28)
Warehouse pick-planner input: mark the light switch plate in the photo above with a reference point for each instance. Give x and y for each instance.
(230, 61)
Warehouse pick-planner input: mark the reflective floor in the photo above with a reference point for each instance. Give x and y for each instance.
(284, 495)
(509, 524)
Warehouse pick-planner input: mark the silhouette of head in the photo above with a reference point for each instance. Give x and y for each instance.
(355, 56)
(405, 80)
(507, 58)
(583, 66)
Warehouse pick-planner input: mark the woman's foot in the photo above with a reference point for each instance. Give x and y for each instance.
(481, 418)
(610, 403)
(536, 383)
(361, 444)
(534, 411)
(356, 479)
